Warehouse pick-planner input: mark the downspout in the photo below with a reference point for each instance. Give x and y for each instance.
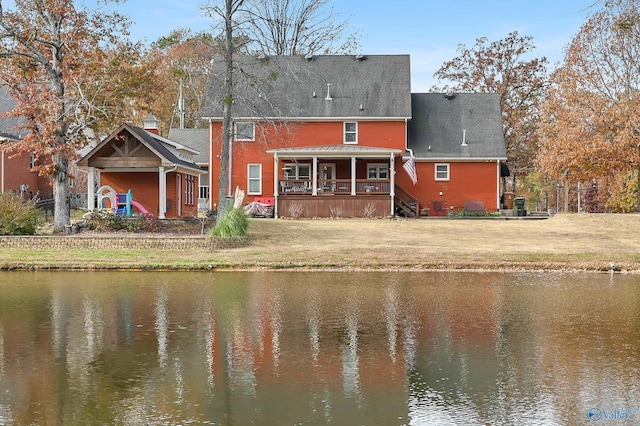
(392, 189)
(210, 168)
(498, 186)
(276, 189)
(2, 175)
(230, 175)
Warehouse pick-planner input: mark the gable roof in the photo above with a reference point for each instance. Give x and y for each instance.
(299, 87)
(441, 122)
(197, 139)
(169, 152)
(8, 124)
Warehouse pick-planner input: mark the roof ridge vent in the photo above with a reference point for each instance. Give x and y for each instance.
(360, 57)
(449, 95)
(308, 57)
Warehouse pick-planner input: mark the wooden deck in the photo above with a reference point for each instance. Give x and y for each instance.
(336, 206)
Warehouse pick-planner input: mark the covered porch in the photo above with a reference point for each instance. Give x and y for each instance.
(334, 181)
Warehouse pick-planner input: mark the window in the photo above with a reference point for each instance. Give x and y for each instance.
(377, 171)
(350, 132)
(245, 131)
(254, 179)
(189, 188)
(32, 161)
(203, 187)
(297, 171)
(442, 171)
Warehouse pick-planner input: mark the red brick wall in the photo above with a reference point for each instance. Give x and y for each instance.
(380, 134)
(145, 189)
(17, 172)
(469, 181)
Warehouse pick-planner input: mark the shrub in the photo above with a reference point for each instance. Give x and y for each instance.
(232, 223)
(107, 221)
(17, 217)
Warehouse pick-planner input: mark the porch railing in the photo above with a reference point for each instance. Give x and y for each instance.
(334, 186)
(406, 202)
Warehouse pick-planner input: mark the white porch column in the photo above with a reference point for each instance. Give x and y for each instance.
(276, 184)
(392, 177)
(91, 189)
(353, 175)
(162, 183)
(314, 180)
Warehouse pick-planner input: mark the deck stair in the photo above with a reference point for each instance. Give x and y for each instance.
(405, 203)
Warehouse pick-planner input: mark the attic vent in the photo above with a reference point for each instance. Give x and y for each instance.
(360, 58)
(449, 95)
(308, 57)
(262, 57)
(328, 98)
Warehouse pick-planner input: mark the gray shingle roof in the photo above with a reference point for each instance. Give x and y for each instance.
(440, 123)
(197, 139)
(8, 124)
(294, 87)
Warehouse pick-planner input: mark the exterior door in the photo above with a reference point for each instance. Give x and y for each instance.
(327, 176)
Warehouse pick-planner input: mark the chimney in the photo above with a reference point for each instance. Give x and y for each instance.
(152, 124)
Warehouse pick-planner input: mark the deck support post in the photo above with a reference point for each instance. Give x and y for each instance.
(162, 184)
(91, 189)
(392, 183)
(353, 175)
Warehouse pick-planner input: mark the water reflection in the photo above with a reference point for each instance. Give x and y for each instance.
(318, 348)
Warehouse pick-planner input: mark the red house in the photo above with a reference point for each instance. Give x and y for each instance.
(327, 136)
(17, 173)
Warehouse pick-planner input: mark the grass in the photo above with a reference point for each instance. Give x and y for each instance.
(568, 242)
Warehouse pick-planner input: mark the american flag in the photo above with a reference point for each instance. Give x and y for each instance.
(410, 167)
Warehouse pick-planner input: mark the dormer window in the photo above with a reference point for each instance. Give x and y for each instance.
(350, 132)
(245, 131)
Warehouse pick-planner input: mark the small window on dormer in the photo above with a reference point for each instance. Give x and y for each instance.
(245, 131)
(351, 132)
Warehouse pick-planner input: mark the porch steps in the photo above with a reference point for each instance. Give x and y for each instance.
(406, 204)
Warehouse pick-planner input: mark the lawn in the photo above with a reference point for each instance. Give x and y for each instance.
(566, 242)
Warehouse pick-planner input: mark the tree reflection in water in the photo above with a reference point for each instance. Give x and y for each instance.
(301, 347)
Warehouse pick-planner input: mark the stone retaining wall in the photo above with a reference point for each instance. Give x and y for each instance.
(97, 242)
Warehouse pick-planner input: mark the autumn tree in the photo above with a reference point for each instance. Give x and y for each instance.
(182, 75)
(504, 67)
(70, 69)
(591, 127)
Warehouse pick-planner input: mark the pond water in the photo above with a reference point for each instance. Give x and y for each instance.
(362, 348)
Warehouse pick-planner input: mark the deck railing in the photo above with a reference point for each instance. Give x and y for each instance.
(334, 186)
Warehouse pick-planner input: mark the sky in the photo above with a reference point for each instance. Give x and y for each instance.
(428, 30)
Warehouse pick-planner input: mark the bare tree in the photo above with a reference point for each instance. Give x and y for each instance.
(297, 27)
(301, 27)
(231, 14)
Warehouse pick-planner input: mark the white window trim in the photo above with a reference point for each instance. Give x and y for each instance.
(344, 133)
(294, 171)
(250, 179)
(242, 138)
(377, 168)
(435, 170)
